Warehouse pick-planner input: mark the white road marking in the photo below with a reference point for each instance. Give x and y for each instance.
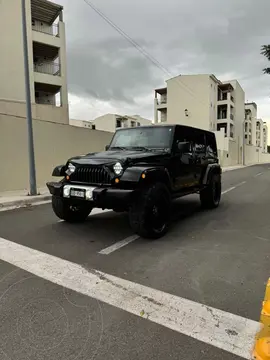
(118, 245)
(223, 330)
(233, 187)
(258, 174)
(230, 189)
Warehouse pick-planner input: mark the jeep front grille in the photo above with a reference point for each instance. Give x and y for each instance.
(91, 175)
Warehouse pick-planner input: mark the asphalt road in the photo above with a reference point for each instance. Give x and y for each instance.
(216, 258)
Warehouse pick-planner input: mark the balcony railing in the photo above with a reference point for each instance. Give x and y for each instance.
(162, 101)
(222, 116)
(52, 30)
(48, 68)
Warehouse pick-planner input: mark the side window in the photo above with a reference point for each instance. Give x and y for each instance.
(211, 146)
(183, 134)
(199, 143)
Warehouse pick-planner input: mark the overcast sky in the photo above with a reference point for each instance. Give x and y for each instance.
(107, 74)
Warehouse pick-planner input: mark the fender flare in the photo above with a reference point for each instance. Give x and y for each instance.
(134, 174)
(211, 168)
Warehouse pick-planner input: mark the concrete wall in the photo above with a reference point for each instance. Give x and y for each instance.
(189, 92)
(12, 62)
(54, 144)
(39, 111)
(11, 45)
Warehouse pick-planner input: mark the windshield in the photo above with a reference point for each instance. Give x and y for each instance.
(152, 137)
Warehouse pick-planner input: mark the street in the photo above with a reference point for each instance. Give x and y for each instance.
(96, 291)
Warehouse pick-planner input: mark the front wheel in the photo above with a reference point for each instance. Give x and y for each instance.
(68, 212)
(211, 195)
(149, 214)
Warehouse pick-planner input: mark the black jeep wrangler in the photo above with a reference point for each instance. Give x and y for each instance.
(141, 171)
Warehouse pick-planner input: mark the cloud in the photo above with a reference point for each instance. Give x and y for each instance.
(186, 36)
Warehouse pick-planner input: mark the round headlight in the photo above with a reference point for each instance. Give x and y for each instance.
(71, 168)
(118, 168)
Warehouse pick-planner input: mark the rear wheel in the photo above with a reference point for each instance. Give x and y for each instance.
(150, 212)
(68, 212)
(211, 195)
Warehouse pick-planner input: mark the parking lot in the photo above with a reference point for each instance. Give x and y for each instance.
(107, 294)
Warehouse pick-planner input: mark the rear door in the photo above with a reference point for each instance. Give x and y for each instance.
(183, 164)
(199, 154)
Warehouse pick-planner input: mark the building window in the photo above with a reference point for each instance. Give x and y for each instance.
(118, 123)
(133, 124)
(138, 124)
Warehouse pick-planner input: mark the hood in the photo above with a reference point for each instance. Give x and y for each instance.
(111, 156)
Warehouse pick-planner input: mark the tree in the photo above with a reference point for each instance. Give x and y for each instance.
(265, 51)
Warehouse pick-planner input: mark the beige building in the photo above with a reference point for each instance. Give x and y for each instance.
(111, 122)
(265, 137)
(202, 101)
(47, 58)
(250, 123)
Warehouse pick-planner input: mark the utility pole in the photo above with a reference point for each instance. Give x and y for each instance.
(31, 153)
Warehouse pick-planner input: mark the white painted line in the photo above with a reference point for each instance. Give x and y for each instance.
(230, 189)
(223, 330)
(233, 187)
(258, 174)
(118, 245)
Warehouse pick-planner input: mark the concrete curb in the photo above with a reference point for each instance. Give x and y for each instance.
(27, 201)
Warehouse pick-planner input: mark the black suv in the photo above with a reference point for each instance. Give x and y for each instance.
(141, 171)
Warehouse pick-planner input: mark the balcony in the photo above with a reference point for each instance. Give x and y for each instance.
(162, 100)
(231, 116)
(52, 30)
(50, 68)
(232, 99)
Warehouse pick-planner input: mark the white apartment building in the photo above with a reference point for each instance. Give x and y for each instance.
(265, 137)
(202, 101)
(250, 123)
(111, 122)
(47, 58)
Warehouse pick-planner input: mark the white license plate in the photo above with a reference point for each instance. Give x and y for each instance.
(77, 193)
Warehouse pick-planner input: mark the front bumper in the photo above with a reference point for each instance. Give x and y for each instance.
(107, 198)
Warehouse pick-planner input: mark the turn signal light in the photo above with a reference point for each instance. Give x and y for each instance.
(117, 180)
(143, 176)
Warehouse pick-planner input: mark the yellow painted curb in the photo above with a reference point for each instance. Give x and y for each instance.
(262, 344)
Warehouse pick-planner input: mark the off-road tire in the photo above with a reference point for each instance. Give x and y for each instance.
(63, 209)
(211, 195)
(155, 196)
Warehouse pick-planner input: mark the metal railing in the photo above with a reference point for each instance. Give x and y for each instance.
(46, 29)
(162, 101)
(48, 68)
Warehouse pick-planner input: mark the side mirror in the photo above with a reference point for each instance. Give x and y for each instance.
(107, 147)
(183, 147)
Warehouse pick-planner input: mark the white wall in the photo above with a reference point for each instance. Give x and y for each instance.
(11, 45)
(54, 144)
(189, 92)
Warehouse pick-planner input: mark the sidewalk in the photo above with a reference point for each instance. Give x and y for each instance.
(10, 200)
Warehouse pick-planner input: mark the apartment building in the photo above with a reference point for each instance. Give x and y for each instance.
(111, 122)
(250, 123)
(265, 137)
(202, 101)
(47, 58)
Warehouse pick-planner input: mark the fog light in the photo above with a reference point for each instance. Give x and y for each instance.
(89, 194)
(66, 192)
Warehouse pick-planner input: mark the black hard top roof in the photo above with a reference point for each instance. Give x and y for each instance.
(167, 125)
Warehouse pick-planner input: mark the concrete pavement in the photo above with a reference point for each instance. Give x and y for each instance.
(218, 259)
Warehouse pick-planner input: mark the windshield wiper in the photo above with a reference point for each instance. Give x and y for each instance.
(117, 148)
(143, 148)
